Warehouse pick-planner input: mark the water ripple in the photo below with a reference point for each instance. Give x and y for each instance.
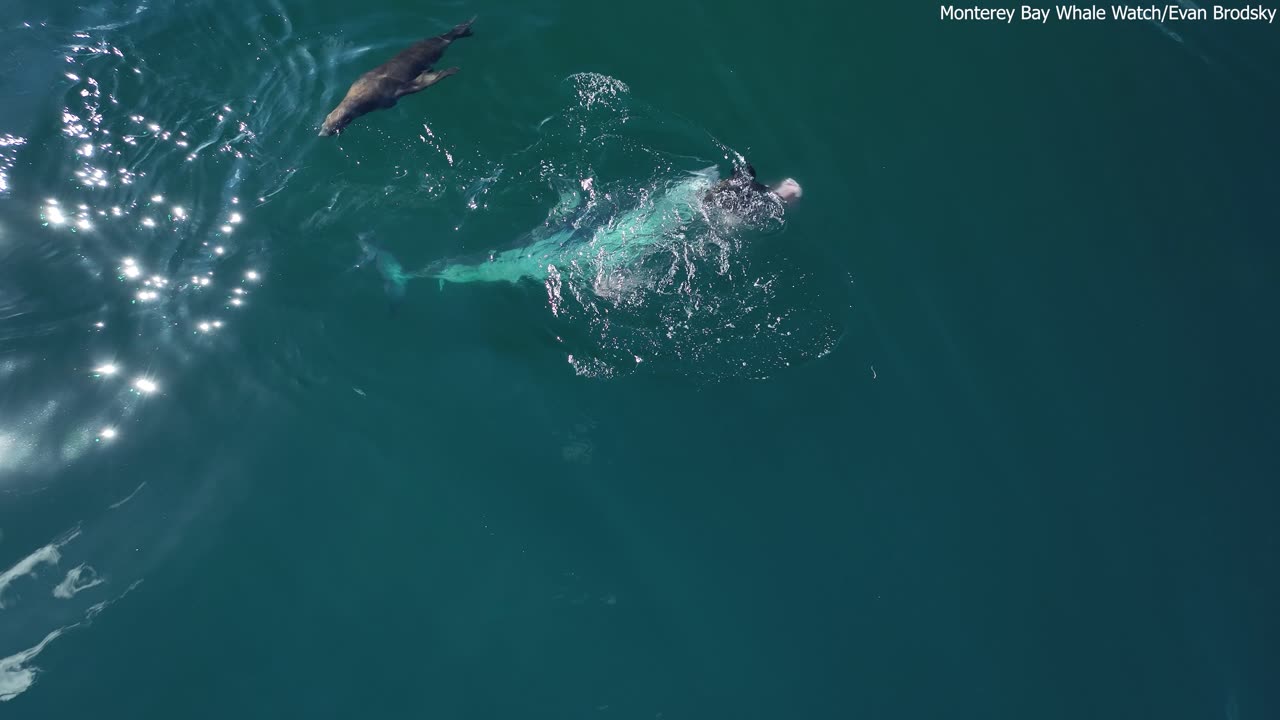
(131, 232)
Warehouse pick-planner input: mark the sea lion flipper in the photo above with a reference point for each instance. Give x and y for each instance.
(426, 80)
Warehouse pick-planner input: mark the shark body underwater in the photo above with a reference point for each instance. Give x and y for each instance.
(570, 237)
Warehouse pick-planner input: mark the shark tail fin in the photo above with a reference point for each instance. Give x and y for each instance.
(438, 271)
(463, 30)
(431, 270)
(394, 280)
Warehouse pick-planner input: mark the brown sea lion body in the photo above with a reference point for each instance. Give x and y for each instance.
(408, 72)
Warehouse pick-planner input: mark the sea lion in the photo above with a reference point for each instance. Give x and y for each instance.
(408, 72)
(741, 191)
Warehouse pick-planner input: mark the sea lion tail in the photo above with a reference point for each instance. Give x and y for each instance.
(463, 30)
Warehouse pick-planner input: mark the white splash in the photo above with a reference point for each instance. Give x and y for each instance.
(129, 497)
(15, 676)
(47, 555)
(79, 578)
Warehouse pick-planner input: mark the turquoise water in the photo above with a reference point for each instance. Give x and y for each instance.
(983, 427)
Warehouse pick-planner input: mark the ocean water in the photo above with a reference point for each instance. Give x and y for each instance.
(984, 426)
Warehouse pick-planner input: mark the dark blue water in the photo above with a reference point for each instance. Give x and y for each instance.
(982, 426)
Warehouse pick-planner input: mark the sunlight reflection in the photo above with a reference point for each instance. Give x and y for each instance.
(8, 157)
(114, 194)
